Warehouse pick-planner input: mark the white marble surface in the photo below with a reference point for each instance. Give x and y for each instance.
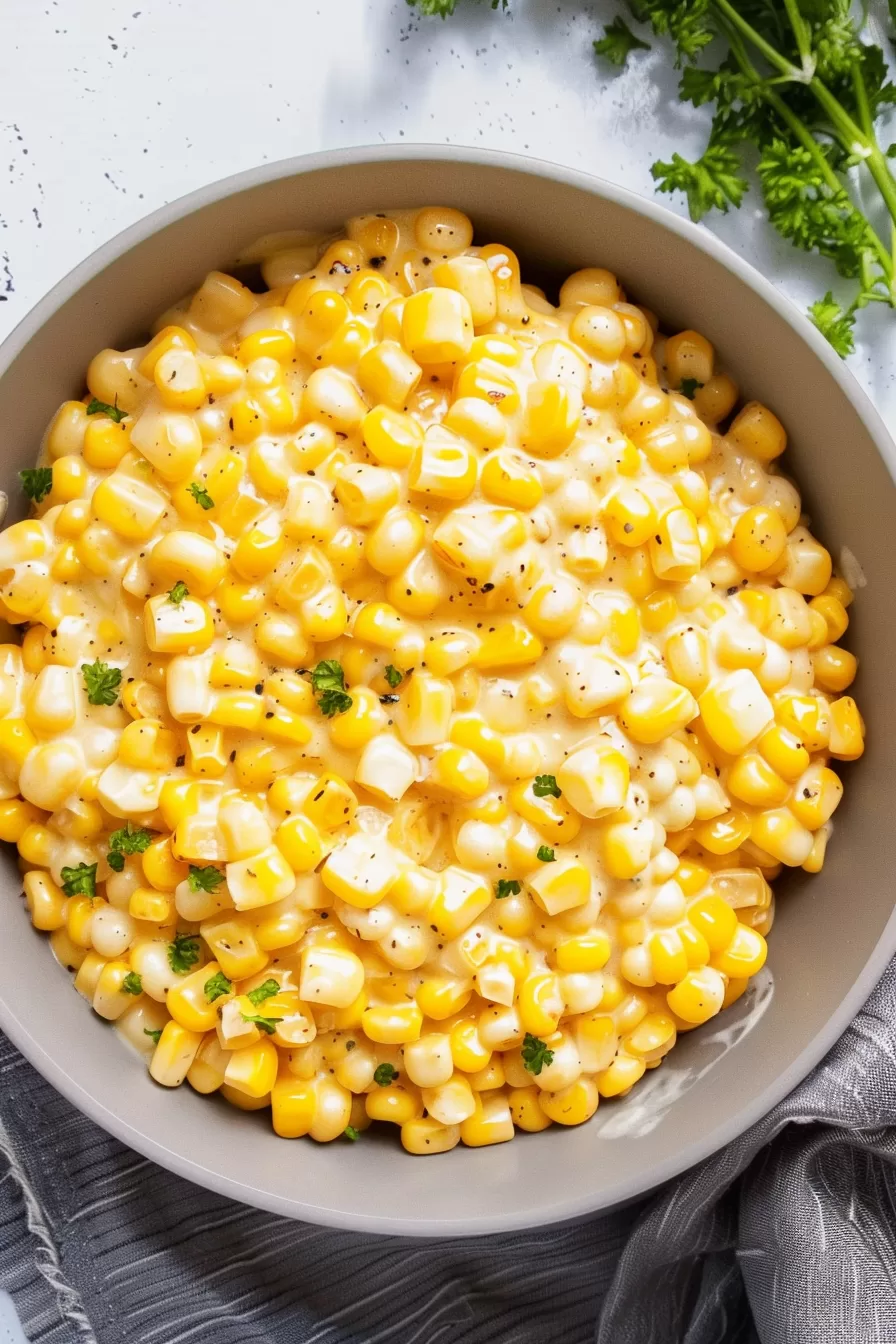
(109, 108)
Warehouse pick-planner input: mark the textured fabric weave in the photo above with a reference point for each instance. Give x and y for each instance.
(787, 1237)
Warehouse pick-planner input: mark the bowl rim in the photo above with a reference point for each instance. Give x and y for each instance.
(712, 1139)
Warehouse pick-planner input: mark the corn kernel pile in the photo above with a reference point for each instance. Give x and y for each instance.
(420, 686)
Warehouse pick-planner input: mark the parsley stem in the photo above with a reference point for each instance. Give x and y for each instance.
(886, 258)
(773, 56)
(803, 38)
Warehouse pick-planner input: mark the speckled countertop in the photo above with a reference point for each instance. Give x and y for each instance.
(108, 110)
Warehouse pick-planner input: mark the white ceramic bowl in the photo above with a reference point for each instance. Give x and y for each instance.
(834, 933)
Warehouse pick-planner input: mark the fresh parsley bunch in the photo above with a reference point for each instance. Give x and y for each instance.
(798, 89)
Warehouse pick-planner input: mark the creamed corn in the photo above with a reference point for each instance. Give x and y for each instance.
(420, 686)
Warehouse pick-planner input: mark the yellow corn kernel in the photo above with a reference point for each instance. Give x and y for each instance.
(778, 832)
(675, 546)
(460, 899)
(189, 1004)
(179, 380)
(471, 277)
(698, 996)
(396, 1104)
(441, 997)
(806, 717)
(437, 326)
(526, 1111)
(260, 548)
(759, 539)
(509, 644)
(174, 1054)
(626, 847)
(293, 1106)
(330, 803)
(298, 840)
(725, 833)
(667, 959)
(262, 879)
(552, 416)
(360, 870)
(735, 710)
(184, 627)
(540, 1004)
(789, 624)
(835, 668)
(45, 902)
(714, 919)
(753, 781)
(234, 947)
(655, 709)
(816, 795)
(152, 907)
(459, 772)
(443, 465)
(621, 1075)
(388, 374)
(252, 1070)
(744, 955)
(393, 1024)
(784, 752)
(169, 338)
(105, 442)
(847, 736)
(583, 953)
(507, 478)
(425, 1135)
(755, 430)
(490, 1123)
(562, 885)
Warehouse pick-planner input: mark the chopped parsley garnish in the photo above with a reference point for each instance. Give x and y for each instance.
(132, 983)
(506, 886)
(618, 40)
(545, 854)
(265, 991)
(393, 676)
(96, 407)
(545, 786)
(183, 952)
(688, 387)
(328, 684)
(36, 482)
(204, 879)
(178, 593)
(153, 1035)
(535, 1053)
(80, 881)
(201, 495)
(101, 682)
(266, 1024)
(351, 1133)
(384, 1075)
(216, 986)
(126, 841)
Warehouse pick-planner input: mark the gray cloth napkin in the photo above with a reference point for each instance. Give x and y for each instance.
(786, 1237)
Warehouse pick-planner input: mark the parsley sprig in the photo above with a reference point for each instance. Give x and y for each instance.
(80, 881)
(204, 879)
(535, 1054)
(101, 682)
(328, 684)
(183, 952)
(798, 88)
(617, 42)
(37, 482)
(127, 841)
